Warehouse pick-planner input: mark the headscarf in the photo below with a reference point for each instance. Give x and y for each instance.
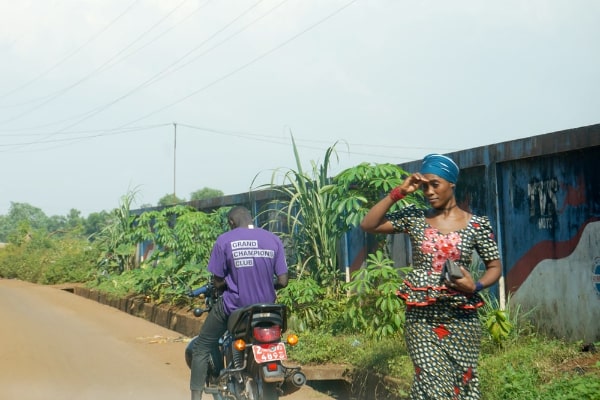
(441, 166)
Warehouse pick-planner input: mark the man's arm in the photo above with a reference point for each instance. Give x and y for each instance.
(219, 283)
(281, 282)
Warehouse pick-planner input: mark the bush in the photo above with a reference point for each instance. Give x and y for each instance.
(48, 260)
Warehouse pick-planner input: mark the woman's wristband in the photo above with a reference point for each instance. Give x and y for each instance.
(396, 194)
(478, 287)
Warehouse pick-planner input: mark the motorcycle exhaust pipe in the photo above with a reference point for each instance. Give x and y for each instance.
(293, 383)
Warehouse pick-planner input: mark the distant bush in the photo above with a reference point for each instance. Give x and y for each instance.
(41, 258)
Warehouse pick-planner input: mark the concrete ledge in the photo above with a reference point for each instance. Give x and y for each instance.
(328, 372)
(166, 316)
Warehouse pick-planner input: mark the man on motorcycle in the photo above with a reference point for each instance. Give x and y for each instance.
(243, 262)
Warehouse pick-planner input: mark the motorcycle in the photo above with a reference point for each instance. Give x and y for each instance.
(248, 364)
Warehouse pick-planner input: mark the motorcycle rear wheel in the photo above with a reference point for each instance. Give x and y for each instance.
(270, 391)
(266, 391)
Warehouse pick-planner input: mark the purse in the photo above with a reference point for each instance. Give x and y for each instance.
(451, 270)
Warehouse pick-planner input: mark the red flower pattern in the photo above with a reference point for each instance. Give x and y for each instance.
(442, 247)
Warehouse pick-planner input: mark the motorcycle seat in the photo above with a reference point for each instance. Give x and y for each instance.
(243, 319)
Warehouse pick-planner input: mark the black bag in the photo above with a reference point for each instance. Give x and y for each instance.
(451, 271)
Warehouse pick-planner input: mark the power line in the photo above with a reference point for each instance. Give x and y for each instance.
(246, 65)
(152, 40)
(157, 76)
(91, 134)
(107, 64)
(70, 55)
(270, 139)
(287, 142)
(91, 113)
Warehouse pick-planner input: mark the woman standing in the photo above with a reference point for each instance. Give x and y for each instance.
(442, 329)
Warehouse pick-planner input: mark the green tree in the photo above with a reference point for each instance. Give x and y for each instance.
(170, 199)
(95, 222)
(205, 193)
(359, 188)
(183, 238)
(20, 212)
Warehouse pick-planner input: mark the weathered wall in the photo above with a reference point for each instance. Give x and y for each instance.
(542, 195)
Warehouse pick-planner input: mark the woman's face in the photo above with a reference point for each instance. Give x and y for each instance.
(438, 191)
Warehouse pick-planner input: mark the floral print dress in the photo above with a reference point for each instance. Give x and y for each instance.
(442, 328)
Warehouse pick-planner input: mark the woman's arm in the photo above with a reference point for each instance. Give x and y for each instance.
(466, 284)
(374, 221)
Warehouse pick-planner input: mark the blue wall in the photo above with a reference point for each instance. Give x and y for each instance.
(542, 195)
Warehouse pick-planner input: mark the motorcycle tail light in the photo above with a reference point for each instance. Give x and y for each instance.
(272, 367)
(239, 345)
(267, 334)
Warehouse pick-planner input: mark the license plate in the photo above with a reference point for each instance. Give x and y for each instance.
(269, 352)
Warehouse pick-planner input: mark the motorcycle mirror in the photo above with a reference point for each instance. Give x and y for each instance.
(198, 312)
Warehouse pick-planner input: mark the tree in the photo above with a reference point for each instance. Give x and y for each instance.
(206, 193)
(95, 222)
(170, 199)
(20, 212)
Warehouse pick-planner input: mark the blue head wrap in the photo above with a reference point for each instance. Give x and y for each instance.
(441, 166)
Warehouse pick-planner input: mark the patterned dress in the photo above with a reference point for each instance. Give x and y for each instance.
(442, 329)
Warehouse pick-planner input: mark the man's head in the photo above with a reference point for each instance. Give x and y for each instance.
(239, 216)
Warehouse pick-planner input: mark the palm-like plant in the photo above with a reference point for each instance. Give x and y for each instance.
(313, 231)
(115, 241)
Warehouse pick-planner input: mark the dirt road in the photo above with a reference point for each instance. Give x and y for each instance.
(56, 345)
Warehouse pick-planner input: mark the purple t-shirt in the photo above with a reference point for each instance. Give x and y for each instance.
(248, 259)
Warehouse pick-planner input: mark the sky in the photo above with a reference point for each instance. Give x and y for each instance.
(103, 98)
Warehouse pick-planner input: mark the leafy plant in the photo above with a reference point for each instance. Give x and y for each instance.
(115, 241)
(309, 305)
(313, 224)
(357, 189)
(373, 307)
(183, 239)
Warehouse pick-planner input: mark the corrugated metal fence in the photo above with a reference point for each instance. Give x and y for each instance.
(542, 195)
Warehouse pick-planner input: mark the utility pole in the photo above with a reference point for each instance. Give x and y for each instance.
(175, 161)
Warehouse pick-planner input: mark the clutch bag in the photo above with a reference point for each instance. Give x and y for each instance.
(451, 270)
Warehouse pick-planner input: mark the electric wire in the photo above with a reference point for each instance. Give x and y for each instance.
(91, 134)
(157, 76)
(97, 110)
(106, 65)
(67, 57)
(300, 142)
(149, 42)
(245, 65)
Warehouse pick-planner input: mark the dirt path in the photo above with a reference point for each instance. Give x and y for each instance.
(55, 345)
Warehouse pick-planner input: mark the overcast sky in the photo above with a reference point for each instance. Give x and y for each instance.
(93, 91)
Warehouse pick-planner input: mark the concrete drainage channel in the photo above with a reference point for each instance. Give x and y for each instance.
(337, 381)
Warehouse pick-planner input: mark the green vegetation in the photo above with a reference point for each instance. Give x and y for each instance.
(529, 367)
(359, 323)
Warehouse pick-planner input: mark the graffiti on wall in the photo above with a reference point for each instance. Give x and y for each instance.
(543, 202)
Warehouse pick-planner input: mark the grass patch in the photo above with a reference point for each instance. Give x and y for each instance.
(531, 367)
